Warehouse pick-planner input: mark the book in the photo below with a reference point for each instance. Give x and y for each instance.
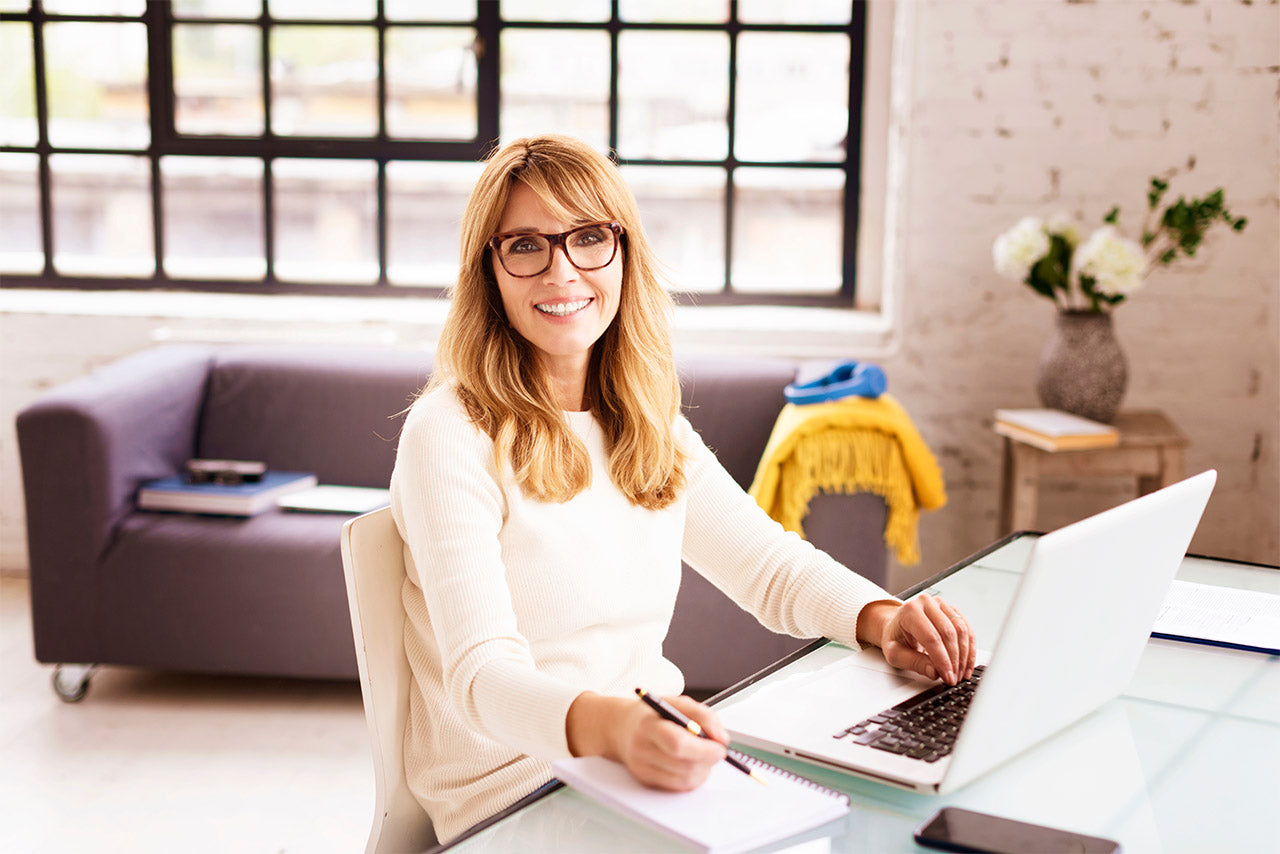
(1220, 616)
(328, 498)
(729, 812)
(239, 499)
(1055, 430)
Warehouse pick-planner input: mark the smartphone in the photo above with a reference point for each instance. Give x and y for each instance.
(955, 829)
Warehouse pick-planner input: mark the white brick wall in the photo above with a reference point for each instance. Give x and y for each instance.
(1016, 107)
(1035, 106)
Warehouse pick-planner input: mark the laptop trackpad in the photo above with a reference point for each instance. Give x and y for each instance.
(835, 696)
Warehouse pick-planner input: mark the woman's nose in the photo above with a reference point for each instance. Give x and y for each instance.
(561, 268)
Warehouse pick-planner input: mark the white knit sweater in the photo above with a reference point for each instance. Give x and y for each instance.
(516, 606)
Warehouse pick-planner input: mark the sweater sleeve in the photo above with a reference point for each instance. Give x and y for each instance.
(788, 584)
(450, 507)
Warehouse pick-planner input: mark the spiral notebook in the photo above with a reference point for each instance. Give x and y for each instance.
(729, 812)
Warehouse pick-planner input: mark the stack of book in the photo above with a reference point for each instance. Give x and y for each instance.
(1054, 430)
(246, 498)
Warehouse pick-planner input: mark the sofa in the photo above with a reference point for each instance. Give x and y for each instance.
(264, 595)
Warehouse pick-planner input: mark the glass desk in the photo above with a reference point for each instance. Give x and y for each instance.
(1187, 759)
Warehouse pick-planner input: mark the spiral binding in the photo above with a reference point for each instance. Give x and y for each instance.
(796, 778)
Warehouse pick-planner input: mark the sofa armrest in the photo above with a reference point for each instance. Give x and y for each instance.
(84, 448)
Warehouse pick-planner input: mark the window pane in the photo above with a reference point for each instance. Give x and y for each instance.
(217, 71)
(431, 82)
(217, 8)
(102, 215)
(324, 81)
(556, 80)
(673, 94)
(206, 196)
(788, 230)
(97, 85)
(683, 213)
(560, 10)
(347, 10)
(94, 7)
(791, 12)
(15, 5)
(793, 96)
(17, 86)
(21, 250)
(424, 216)
(708, 11)
(325, 220)
(437, 10)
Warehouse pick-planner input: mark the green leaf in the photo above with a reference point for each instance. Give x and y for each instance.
(1113, 216)
(1156, 192)
(1046, 276)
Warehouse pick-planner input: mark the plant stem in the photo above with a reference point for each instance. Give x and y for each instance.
(1162, 244)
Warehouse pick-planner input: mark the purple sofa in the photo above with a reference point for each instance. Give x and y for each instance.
(265, 595)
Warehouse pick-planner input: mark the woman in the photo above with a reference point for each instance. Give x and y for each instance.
(547, 488)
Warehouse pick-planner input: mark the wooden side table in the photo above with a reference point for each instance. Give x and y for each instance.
(1150, 449)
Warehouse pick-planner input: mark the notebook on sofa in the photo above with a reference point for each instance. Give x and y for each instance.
(729, 812)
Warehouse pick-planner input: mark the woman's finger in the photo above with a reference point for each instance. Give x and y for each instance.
(703, 716)
(936, 610)
(924, 621)
(964, 639)
(905, 658)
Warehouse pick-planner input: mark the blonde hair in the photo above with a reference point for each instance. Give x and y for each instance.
(631, 388)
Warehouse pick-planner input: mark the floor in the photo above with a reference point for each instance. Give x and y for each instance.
(168, 762)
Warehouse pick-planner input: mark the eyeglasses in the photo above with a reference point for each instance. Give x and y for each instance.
(588, 247)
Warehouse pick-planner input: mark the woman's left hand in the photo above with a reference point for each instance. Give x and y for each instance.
(925, 634)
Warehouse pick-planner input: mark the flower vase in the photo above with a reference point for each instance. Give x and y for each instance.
(1082, 368)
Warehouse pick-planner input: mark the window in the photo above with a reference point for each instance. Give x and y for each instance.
(328, 146)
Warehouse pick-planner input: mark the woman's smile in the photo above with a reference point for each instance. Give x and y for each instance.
(562, 308)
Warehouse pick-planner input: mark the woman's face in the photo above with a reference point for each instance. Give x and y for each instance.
(561, 311)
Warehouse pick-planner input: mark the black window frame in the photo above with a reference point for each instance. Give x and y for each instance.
(159, 19)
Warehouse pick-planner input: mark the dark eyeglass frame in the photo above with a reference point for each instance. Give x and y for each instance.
(554, 240)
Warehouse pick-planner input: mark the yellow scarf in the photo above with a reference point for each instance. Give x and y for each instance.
(854, 444)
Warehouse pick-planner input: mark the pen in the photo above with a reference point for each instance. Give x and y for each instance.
(666, 710)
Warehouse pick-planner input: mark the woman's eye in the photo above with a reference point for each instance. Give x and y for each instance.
(588, 237)
(523, 246)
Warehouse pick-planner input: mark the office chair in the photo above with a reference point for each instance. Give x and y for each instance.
(373, 563)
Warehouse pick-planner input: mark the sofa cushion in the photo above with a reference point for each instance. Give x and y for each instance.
(220, 594)
(336, 412)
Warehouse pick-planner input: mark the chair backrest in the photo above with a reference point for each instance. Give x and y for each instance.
(373, 562)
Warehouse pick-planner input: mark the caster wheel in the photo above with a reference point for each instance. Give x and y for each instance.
(71, 681)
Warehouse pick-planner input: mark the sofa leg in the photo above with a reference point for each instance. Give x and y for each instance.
(71, 681)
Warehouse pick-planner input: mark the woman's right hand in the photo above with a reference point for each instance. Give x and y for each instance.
(656, 751)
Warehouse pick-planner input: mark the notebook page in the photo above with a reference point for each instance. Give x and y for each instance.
(730, 812)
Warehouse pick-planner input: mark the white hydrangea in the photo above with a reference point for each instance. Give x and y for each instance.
(1116, 263)
(1019, 248)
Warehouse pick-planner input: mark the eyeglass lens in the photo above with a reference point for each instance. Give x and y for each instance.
(589, 248)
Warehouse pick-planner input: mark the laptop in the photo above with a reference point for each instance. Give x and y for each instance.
(1071, 641)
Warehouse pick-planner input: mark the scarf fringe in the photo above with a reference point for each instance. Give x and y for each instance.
(848, 461)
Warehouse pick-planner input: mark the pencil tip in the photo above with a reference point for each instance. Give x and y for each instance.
(758, 778)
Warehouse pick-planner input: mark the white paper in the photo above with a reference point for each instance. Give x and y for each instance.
(1223, 614)
(730, 812)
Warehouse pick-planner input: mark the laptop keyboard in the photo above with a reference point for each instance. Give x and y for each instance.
(921, 727)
